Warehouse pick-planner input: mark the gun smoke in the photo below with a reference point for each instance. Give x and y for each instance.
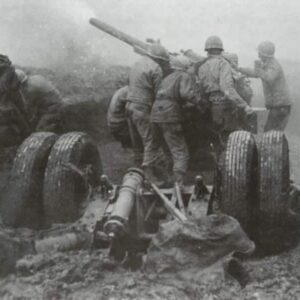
(56, 34)
(42, 33)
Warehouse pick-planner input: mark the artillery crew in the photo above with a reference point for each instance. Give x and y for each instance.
(175, 91)
(144, 79)
(217, 80)
(217, 87)
(277, 98)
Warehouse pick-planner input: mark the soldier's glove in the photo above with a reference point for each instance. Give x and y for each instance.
(257, 65)
(248, 111)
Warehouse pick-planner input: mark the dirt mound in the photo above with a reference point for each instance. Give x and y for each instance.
(196, 244)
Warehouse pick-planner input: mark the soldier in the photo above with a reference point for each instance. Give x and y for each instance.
(120, 127)
(144, 79)
(42, 100)
(116, 116)
(217, 87)
(13, 123)
(241, 82)
(175, 91)
(277, 98)
(8, 78)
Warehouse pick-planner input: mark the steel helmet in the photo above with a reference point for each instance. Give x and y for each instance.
(266, 49)
(179, 62)
(22, 77)
(231, 57)
(4, 61)
(158, 51)
(213, 42)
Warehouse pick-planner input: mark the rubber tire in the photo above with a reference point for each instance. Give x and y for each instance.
(63, 192)
(22, 204)
(238, 185)
(274, 178)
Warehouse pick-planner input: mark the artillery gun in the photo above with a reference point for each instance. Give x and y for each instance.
(139, 46)
(61, 178)
(131, 41)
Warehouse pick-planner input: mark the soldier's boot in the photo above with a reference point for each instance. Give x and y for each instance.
(164, 172)
(152, 175)
(179, 178)
(238, 271)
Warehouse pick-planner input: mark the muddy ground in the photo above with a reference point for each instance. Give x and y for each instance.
(85, 275)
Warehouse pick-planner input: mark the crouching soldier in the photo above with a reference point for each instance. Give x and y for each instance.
(121, 127)
(116, 116)
(176, 90)
(43, 102)
(14, 126)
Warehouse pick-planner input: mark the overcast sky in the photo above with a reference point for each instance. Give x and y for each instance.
(42, 32)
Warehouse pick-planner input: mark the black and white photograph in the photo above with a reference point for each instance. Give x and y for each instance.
(149, 149)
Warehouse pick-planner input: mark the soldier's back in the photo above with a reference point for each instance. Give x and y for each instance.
(141, 83)
(209, 73)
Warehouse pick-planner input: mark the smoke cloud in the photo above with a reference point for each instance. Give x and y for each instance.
(43, 33)
(57, 32)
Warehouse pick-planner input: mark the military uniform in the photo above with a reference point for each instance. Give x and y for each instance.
(43, 103)
(13, 122)
(241, 82)
(217, 86)
(167, 117)
(242, 86)
(277, 98)
(121, 127)
(144, 79)
(116, 111)
(116, 116)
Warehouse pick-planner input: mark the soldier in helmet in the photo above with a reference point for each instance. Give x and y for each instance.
(175, 91)
(42, 101)
(217, 87)
(277, 98)
(13, 123)
(241, 82)
(144, 79)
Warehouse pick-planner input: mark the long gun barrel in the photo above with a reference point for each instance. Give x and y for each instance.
(118, 34)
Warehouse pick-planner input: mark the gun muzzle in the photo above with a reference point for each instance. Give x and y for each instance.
(117, 224)
(118, 34)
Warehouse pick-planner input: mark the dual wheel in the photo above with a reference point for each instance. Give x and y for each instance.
(254, 183)
(50, 179)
